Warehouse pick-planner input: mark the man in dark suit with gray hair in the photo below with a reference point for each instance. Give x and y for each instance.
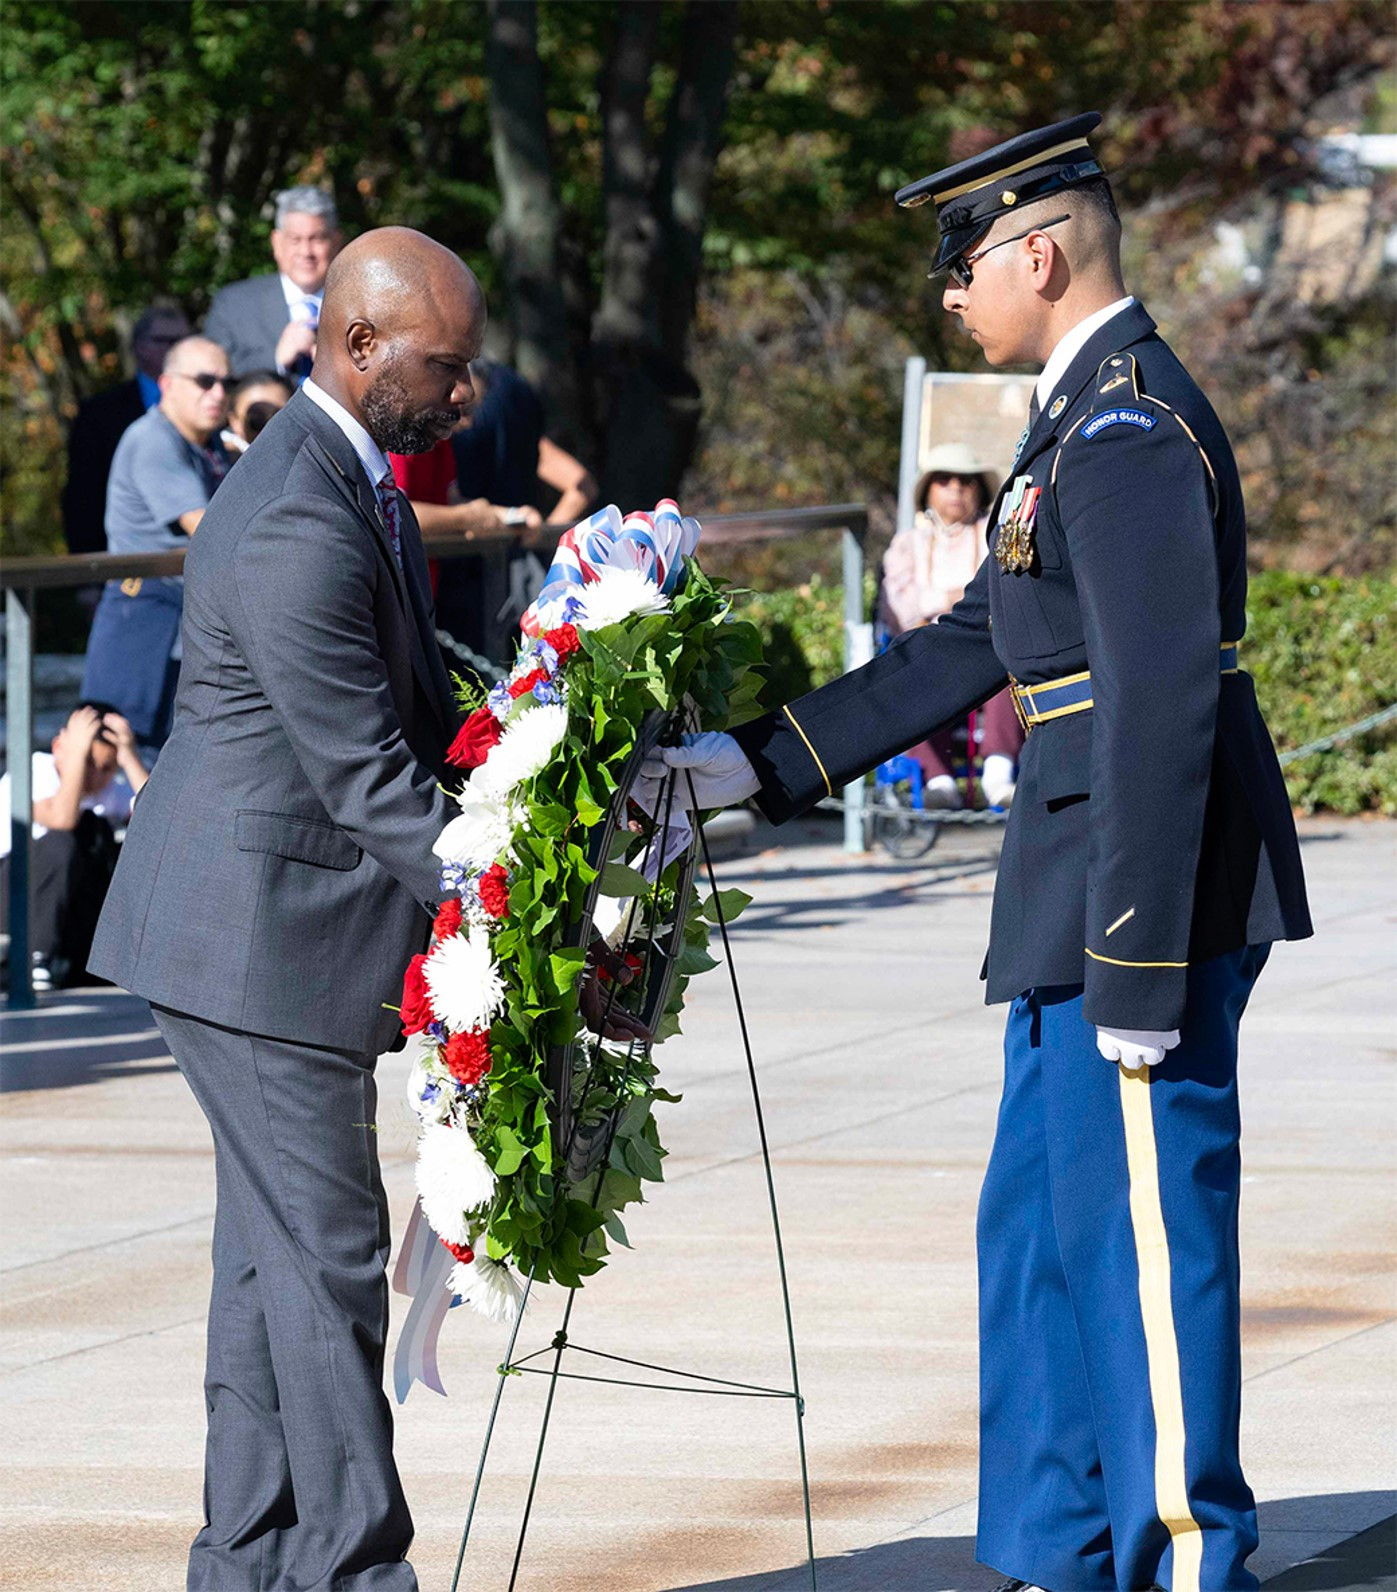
(276, 877)
(270, 322)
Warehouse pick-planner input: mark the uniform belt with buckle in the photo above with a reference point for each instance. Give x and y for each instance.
(1055, 699)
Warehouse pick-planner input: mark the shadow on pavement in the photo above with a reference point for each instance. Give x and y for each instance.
(79, 1036)
(1365, 1562)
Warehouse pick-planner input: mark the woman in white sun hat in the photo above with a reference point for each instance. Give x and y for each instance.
(925, 571)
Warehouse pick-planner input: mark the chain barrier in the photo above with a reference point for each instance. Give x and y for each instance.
(458, 649)
(1328, 742)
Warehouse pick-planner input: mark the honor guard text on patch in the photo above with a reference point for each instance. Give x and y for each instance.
(1117, 417)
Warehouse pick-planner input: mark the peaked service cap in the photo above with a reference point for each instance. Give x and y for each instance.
(970, 195)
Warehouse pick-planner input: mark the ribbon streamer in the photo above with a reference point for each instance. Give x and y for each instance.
(424, 1264)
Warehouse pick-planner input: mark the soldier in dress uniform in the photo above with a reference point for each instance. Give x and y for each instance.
(1149, 862)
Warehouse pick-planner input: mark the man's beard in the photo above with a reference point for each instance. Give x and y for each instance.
(393, 425)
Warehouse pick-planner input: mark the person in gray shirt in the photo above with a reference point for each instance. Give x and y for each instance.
(166, 468)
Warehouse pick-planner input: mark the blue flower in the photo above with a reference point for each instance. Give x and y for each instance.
(430, 1091)
(545, 692)
(499, 700)
(438, 1032)
(572, 606)
(453, 878)
(547, 656)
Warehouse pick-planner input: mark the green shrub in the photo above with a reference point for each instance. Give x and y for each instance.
(1322, 650)
(802, 634)
(1323, 653)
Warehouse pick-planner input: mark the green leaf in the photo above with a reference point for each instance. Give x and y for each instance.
(510, 1152)
(619, 880)
(732, 902)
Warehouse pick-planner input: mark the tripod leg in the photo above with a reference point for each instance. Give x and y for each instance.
(770, 1190)
(489, 1433)
(559, 1344)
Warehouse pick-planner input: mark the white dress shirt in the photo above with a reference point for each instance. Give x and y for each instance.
(371, 456)
(1071, 344)
(300, 305)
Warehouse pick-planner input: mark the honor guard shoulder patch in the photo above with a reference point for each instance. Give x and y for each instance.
(1117, 417)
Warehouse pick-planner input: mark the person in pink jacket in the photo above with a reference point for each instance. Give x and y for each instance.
(925, 571)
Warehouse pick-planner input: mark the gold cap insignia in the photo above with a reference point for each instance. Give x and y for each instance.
(1008, 197)
(1116, 364)
(1059, 404)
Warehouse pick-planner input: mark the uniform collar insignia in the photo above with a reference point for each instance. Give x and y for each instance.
(1058, 405)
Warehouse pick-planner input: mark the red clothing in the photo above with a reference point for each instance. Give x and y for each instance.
(426, 478)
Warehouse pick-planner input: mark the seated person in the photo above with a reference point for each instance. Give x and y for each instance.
(255, 398)
(165, 471)
(83, 790)
(925, 572)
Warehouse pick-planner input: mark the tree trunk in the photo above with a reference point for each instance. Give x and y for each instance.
(693, 137)
(647, 399)
(531, 218)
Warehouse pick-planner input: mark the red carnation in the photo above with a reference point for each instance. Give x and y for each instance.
(526, 682)
(463, 1252)
(494, 890)
(448, 919)
(474, 740)
(563, 641)
(467, 1055)
(417, 1003)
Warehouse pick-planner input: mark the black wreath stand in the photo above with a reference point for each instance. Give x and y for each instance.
(658, 727)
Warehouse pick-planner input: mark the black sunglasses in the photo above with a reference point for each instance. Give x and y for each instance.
(205, 380)
(959, 268)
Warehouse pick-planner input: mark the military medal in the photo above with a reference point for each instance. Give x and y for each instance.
(1013, 542)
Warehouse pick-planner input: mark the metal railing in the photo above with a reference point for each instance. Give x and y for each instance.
(22, 579)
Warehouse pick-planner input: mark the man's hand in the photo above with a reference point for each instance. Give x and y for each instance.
(74, 746)
(128, 759)
(297, 339)
(718, 766)
(593, 998)
(1136, 1047)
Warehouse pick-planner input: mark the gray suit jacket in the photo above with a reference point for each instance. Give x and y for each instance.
(246, 319)
(278, 873)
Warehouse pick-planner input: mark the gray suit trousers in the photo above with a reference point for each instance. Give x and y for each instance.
(301, 1493)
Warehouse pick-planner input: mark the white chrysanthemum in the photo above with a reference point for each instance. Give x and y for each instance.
(617, 594)
(483, 830)
(452, 1179)
(463, 981)
(525, 749)
(491, 1287)
(430, 1095)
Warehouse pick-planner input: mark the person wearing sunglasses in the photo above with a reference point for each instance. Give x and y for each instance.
(1149, 861)
(167, 467)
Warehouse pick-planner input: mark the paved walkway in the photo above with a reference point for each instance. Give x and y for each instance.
(879, 1071)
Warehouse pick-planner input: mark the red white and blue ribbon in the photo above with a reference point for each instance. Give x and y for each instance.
(655, 544)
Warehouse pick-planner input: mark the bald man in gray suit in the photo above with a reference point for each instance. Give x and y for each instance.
(276, 878)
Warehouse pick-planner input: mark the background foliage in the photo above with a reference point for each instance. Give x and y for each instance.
(734, 299)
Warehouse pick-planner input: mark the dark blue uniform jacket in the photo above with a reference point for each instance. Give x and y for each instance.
(1152, 830)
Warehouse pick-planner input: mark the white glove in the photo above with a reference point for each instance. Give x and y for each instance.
(1135, 1047)
(717, 765)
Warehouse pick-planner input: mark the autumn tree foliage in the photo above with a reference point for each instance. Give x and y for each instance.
(681, 209)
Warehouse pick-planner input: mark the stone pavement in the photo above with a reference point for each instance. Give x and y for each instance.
(879, 1070)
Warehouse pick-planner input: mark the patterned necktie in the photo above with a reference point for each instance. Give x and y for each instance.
(1033, 412)
(388, 501)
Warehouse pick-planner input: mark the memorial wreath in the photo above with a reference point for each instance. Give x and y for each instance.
(534, 1134)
